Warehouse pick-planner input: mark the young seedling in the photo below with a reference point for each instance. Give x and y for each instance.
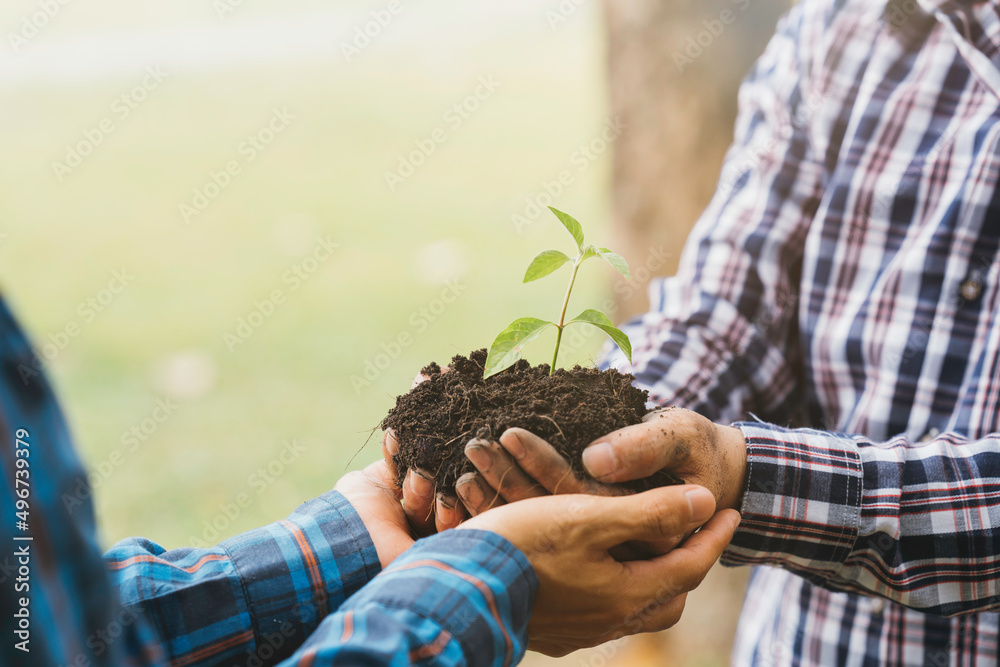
(506, 349)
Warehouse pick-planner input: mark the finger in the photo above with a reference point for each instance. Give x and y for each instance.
(687, 565)
(418, 502)
(653, 516)
(499, 470)
(448, 512)
(476, 494)
(660, 413)
(422, 377)
(390, 447)
(658, 612)
(381, 474)
(641, 450)
(374, 477)
(644, 550)
(540, 460)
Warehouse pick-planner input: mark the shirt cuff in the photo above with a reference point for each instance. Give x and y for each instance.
(477, 586)
(296, 571)
(802, 504)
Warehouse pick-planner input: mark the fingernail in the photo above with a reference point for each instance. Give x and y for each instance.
(446, 510)
(702, 504)
(470, 493)
(420, 485)
(478, 455)
(513, 445)
(391, 443)
(599, 460)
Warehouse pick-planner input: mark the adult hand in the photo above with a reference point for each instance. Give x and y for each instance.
(673, 440)
(681, 442)
(520, 466)
(585, 596)
(371, 493)
(500, 479)
(426, 509)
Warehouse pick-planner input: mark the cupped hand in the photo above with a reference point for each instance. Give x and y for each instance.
(585, 596)
(520, 465)
(681, 442)
(426, 509)
(371, 493)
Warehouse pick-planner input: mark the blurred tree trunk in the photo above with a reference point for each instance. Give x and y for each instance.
(675, 68)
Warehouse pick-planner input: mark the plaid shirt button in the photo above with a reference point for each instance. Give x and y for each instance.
(971, 289)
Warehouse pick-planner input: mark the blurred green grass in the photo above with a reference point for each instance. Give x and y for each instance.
(323, 176)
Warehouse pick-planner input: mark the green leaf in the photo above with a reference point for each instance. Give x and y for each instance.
(544, 264)
(601, 321)
(571, 225)
(506, 348)
(617, 261)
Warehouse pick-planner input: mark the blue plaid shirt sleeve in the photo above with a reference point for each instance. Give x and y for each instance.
(263, 591)
(462, 597)
(916, 523)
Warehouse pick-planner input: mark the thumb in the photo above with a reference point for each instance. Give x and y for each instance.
(379, 473)
(657, 514)
(637, 451)
(686, 566)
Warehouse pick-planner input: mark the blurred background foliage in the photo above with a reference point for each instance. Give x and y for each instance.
(450, 228)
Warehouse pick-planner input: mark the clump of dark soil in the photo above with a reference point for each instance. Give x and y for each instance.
(570, 409)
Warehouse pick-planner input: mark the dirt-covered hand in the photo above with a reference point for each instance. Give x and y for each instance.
(585, 596)
(681, 442)
(371, 494)
(521, 465)
(427, 510)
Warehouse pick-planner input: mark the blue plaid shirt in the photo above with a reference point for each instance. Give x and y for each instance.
(846, 277)
(306, 590)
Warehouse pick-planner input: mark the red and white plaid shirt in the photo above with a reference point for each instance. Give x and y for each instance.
(845, 277)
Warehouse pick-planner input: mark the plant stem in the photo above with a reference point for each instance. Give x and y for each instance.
(562, 315)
